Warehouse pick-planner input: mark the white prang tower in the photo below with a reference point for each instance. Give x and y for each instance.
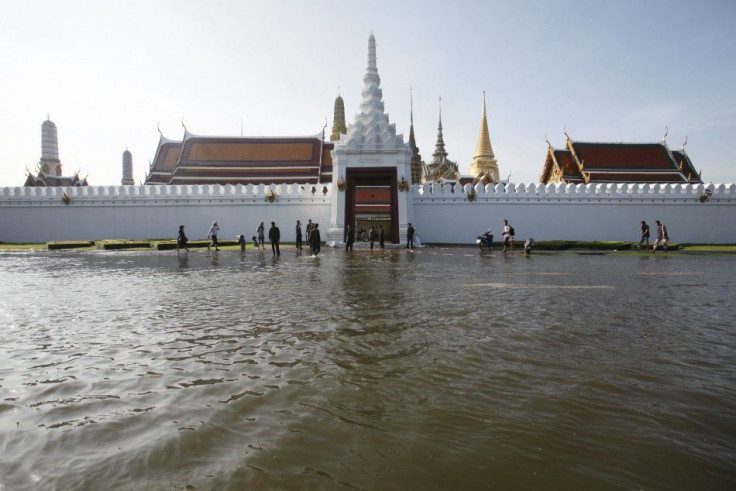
(49, 165)
(370, 145)
(127, 169)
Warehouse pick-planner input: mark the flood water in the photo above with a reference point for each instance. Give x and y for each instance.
(441, 369)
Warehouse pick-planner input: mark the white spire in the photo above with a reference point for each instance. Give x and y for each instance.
(372, 130)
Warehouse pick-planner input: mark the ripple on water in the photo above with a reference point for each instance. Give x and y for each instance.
(437, 370)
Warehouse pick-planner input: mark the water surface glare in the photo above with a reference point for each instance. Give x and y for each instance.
(440, 369)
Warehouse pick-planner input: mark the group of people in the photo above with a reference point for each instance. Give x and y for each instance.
(182, 241)
(376, 235)
(274, 236)
(313, 237)
(661, 240)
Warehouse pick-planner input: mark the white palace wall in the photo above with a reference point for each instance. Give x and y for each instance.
(148, 212)
(576, 212)
(441, 213)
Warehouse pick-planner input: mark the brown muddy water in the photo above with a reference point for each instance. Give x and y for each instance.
(441, 369)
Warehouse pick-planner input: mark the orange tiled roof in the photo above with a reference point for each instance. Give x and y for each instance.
(241, 160)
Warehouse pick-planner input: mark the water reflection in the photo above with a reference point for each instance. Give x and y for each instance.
(437, 369)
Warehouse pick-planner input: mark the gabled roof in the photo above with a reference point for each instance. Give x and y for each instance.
(617, 162)
(164, 162)
(242, 160)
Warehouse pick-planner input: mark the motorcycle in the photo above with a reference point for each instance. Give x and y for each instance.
(485, 241)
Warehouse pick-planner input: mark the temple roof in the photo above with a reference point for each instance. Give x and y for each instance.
(164, 161)
(43, 180)
(242, 160)
(617, 162)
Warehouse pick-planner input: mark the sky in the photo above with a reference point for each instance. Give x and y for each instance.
(109, 74)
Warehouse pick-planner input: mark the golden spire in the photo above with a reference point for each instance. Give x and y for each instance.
(338, 120)
(484, 161)
(483, 148)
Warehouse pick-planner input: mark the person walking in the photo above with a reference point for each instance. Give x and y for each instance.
(315, 239)
(309, 231)
(508, 235)
(410, 236)
(644, 234)
(382, 238)
(181, 240)
(214, 230)
(372, 235)
(349, 238)
(274, 235)
(241, 242)
(299, 235)
(662, 237)
(260, 232)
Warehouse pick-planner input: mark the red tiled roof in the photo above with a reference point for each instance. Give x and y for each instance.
(621, 162)
(633, 156)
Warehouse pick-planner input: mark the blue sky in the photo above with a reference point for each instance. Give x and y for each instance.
(109, 73)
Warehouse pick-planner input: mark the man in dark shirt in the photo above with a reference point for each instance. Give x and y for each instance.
(274, 235)
(349, 238)
(644, 234)
(315, 239)
(299, 235)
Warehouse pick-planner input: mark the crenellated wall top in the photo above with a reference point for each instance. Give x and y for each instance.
(420, 192)
(562, 190)
(167, 192)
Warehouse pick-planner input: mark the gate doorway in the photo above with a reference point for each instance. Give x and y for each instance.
(371, 200)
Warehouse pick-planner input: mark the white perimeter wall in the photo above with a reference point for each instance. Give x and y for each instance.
(149, 212)
(545, 212)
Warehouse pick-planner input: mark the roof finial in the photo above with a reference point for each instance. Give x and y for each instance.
(547, 140)
(564, 130)
(158, 127)
(411, 105)
(666, 132)
(440, 111)
(182, 123)
(684, 143)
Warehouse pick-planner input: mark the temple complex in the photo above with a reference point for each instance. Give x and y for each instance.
(48, 169)
(484, 166)
(593, 162)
